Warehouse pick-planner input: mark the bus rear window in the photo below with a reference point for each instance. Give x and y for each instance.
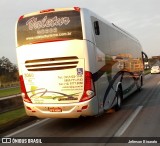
(53, 26)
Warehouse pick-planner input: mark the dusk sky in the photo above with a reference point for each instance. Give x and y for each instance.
(141, 18)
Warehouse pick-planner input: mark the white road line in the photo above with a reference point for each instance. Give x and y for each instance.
(26, 128)
(126, 124)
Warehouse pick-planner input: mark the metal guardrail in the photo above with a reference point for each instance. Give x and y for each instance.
(3, 88)
(10, 103)
(8, 97)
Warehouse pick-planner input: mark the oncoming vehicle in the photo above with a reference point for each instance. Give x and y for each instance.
(155, 69)
(73, 63)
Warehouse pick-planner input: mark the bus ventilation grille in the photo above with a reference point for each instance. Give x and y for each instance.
(50, 64)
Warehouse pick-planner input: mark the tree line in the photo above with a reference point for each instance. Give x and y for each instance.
(8, 71)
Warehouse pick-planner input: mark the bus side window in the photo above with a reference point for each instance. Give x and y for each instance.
(96, 28)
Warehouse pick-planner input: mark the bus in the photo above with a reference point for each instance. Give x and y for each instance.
(73, 63)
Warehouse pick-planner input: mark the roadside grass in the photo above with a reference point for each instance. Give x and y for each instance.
(147, 71)
(10, 91)
(11, 116)
(12, 119)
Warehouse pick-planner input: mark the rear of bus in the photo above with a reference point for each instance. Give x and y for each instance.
(54, 64)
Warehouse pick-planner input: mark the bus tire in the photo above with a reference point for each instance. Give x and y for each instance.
(140, 84)
(119, 99)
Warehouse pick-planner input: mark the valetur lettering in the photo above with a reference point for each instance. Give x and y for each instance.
(33, 23)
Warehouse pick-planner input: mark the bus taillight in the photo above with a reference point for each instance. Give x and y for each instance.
(77, 9)
(23, 90)
(46, 11)
(21, 17)
(89, 89)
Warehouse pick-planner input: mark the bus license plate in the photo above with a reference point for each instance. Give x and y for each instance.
(55, 109)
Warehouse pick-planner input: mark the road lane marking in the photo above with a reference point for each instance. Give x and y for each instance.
(126, 124)
(26, 128)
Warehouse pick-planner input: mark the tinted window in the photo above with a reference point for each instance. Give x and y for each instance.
(49, 27)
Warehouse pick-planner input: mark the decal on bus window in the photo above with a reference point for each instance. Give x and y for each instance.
(33, 23)
(79, 71)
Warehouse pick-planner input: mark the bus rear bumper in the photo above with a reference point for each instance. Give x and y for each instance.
(72, 110)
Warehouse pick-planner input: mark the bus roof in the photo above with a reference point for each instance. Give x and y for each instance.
(48, 11)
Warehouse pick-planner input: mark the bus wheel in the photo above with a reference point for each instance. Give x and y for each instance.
(119, 100)
(140, 84)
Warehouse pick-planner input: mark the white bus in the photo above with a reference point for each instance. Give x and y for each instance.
(73, 63)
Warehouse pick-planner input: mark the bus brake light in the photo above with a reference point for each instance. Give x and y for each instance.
(23, 90)
(89, 89)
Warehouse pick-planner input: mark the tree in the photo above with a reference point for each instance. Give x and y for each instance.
(8, 70)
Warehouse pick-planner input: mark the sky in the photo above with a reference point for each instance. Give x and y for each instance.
(141, 18)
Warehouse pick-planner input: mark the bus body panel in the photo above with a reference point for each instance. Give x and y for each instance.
(56, 73)
(47, 74)
(47, 88)
(71, 110)
(121, 54)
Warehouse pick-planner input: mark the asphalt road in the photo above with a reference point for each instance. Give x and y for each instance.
(139, 117)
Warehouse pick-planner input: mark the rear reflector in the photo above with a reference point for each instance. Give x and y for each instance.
(83, 108)
(28, 108)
